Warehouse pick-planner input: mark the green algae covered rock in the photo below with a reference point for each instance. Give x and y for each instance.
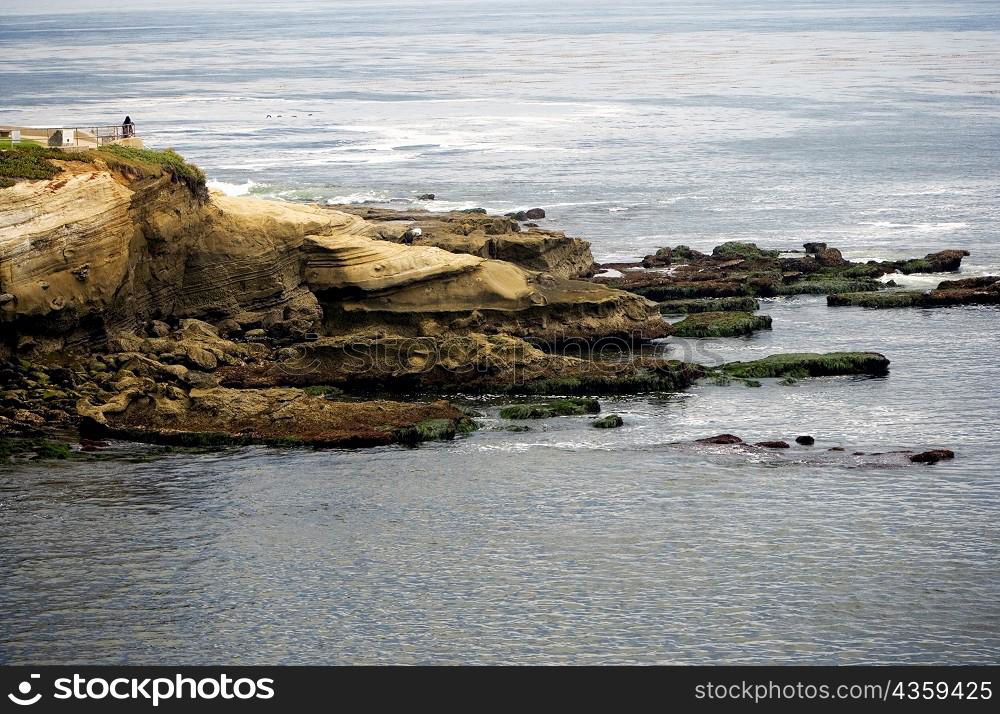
(721, 324)
(809, 364)
(562, 407)
(879, 300)
(742, 249)
(725, 304)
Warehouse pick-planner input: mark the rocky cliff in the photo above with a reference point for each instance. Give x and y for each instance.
(93, 252)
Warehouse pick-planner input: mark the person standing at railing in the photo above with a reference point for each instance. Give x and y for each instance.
(128, 128)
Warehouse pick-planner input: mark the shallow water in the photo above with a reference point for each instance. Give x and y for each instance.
(870, 125)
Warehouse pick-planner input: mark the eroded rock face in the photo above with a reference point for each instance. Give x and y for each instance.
(92, 254)
(468, 363)
(485, 236)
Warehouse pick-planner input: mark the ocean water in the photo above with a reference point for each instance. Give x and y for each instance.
(870, 125)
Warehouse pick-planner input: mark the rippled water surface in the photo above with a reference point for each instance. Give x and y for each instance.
(872, 126)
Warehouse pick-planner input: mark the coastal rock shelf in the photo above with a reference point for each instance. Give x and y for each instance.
(136, 304)
(741, 269)
(968, 291)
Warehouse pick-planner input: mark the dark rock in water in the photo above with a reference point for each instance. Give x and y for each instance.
(836, 448)
(941, 262)
(805, 440)
(425, 197)
(984, 281)
(611, 421)
(660, 259)
(830, 258)
(814, 247)
(932, 456)
(533, 214)
(773, 444)
(720, 439)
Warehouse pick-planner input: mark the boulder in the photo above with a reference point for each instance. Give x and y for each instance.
(611, 421)
(720, 439)
(932, 456)
(773, 444)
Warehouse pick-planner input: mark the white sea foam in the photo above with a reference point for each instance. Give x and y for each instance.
(232, 189)
(919, 227)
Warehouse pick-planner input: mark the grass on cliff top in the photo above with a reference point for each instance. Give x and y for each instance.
(149, 162)
(28, 161)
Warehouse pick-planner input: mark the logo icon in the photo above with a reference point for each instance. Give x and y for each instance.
(25, 689)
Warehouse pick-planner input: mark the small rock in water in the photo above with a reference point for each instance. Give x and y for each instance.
(425, 197)
(805, 440)
(533, 214)
(611, 421)
(773, 444)
(932, 456)
(720, 439)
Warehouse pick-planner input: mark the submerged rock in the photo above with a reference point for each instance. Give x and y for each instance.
(774, 444)
(720, 439)
(932, 456)
(805, 440)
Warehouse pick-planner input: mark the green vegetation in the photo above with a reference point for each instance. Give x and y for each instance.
(916, 265)
(878, 300)
(28, 161)
(32, 162)
(806, 364)
(742, 249)
(41, 448)
(563, 407)
(149, 163)
(725, 304)
(721, 324)
(611, 421)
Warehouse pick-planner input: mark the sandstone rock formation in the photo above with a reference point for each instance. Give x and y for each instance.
(92, 253)
(482, 235)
